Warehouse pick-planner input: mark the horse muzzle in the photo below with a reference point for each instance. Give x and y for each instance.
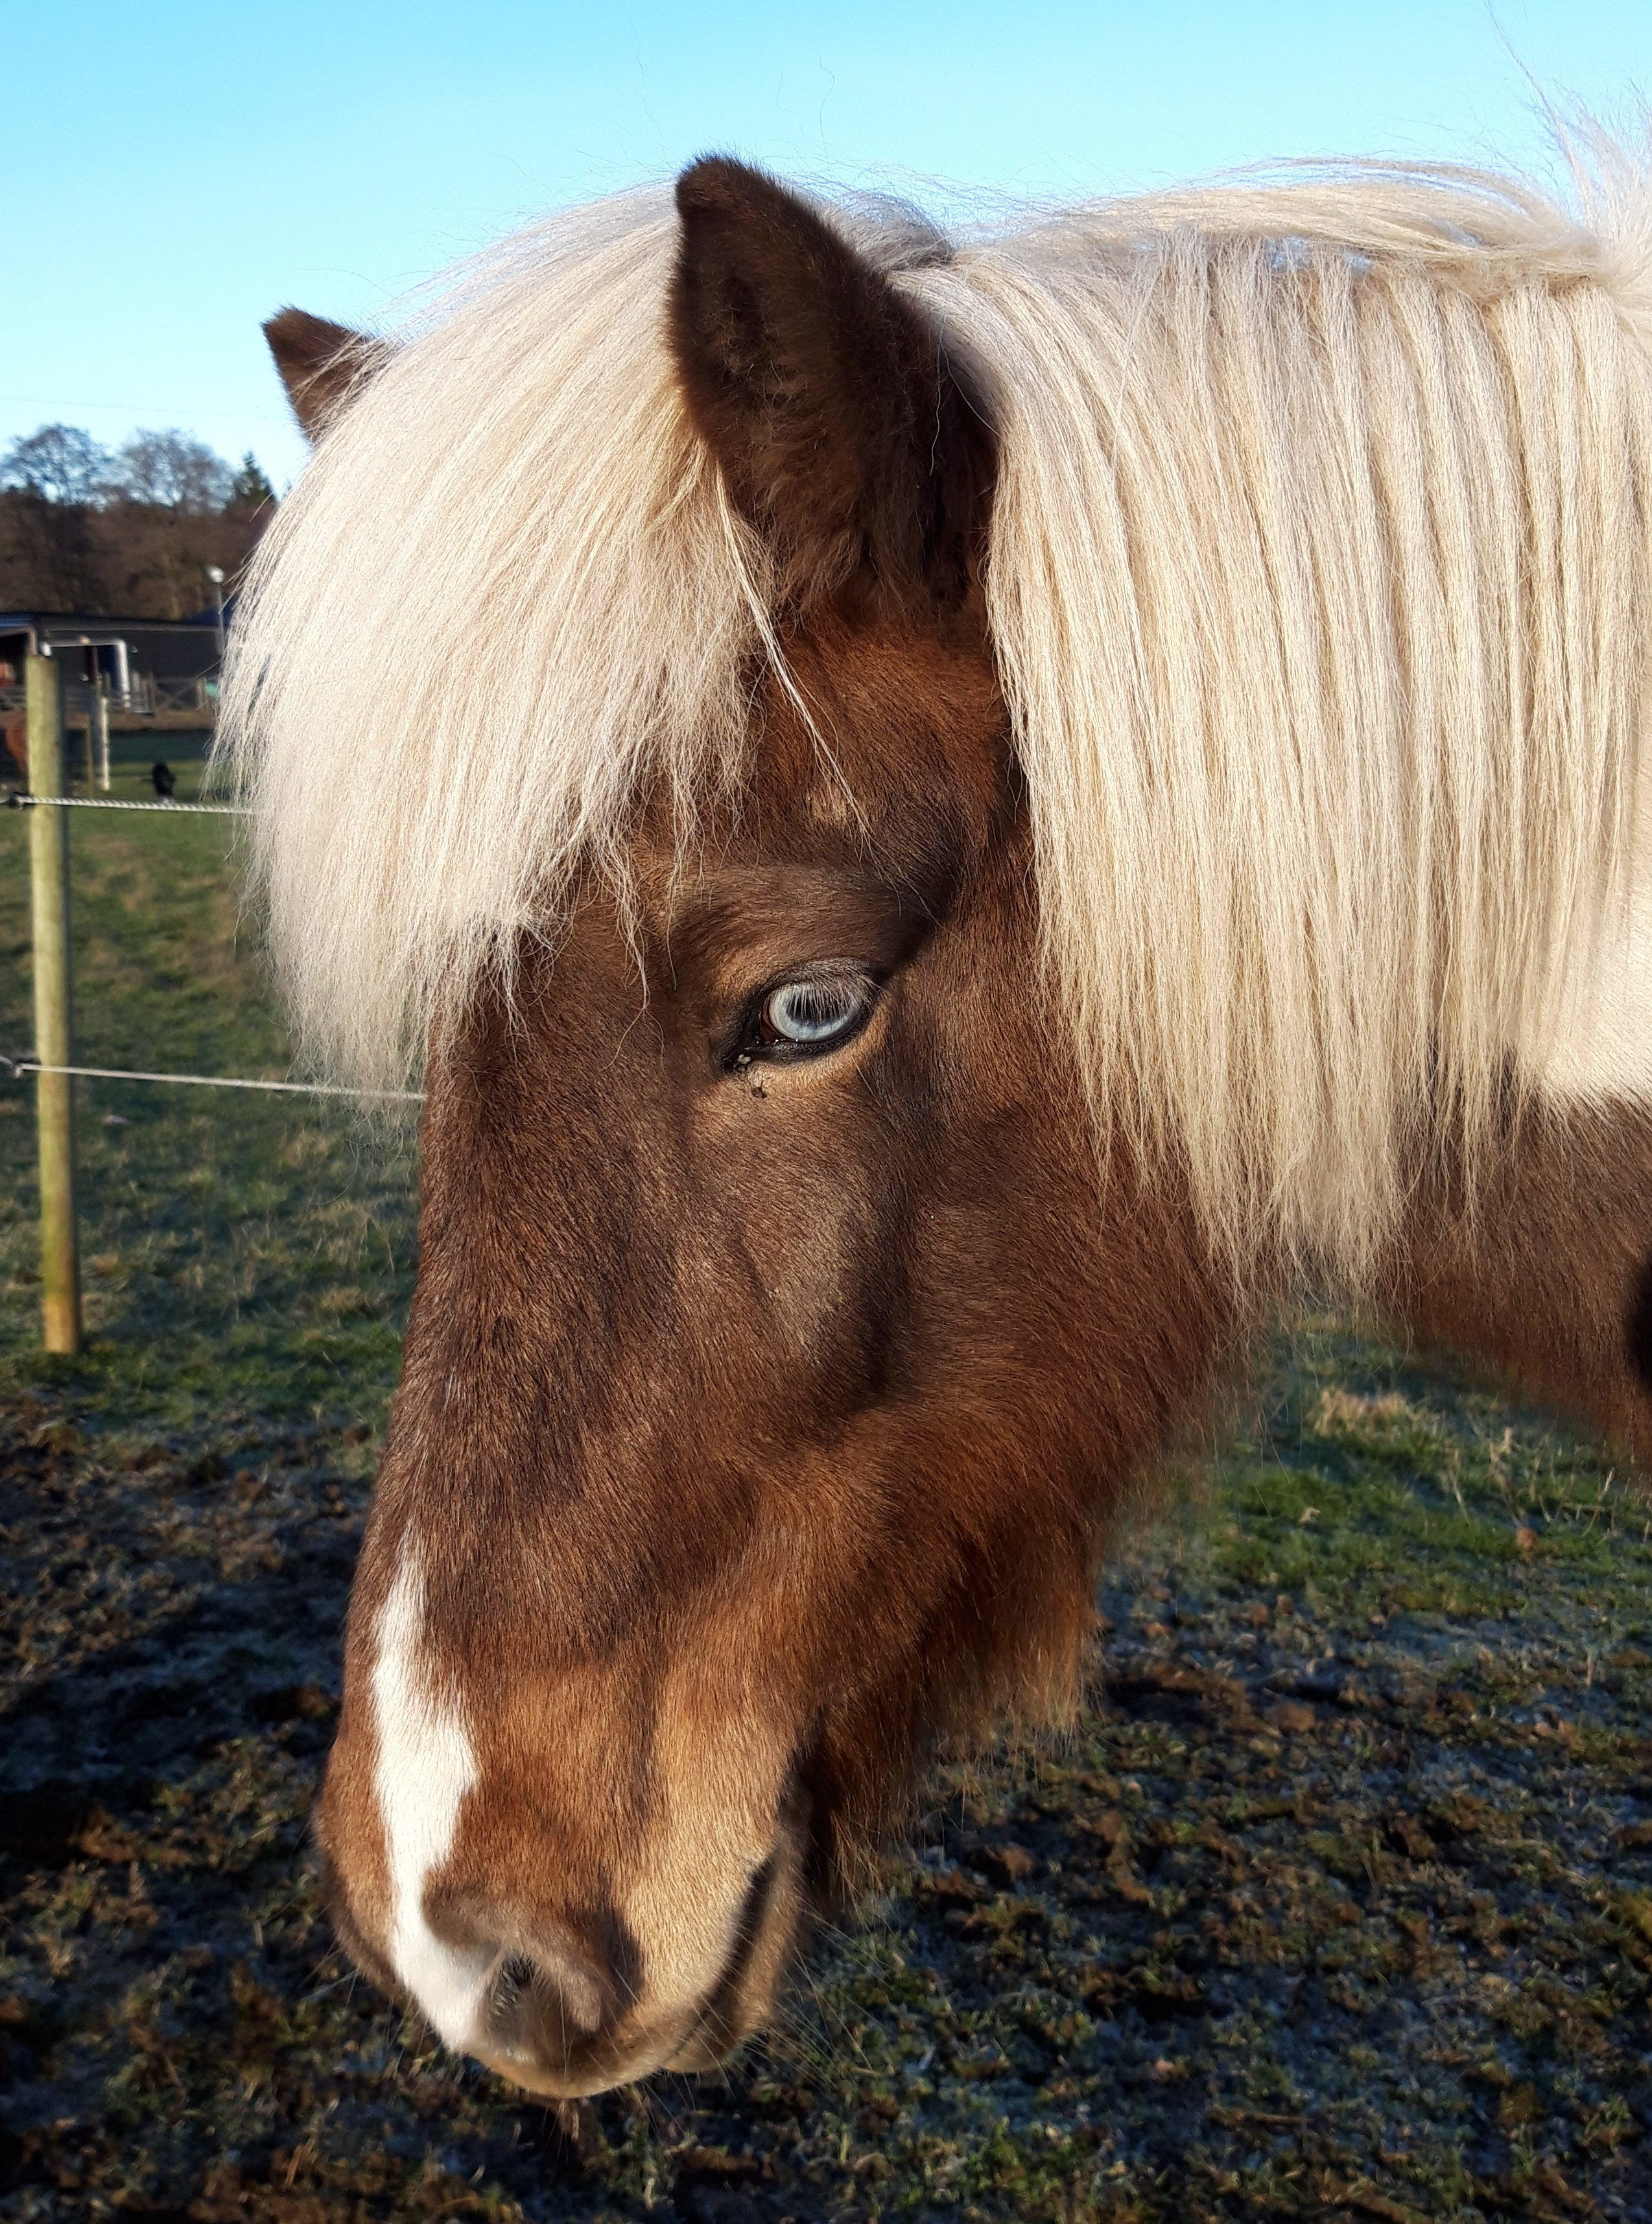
(565, 2008)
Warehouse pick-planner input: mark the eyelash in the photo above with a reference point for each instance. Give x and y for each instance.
(760, 1041)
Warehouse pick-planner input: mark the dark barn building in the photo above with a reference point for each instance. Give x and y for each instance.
(145, 664)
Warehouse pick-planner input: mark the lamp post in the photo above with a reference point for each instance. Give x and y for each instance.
(215, 573)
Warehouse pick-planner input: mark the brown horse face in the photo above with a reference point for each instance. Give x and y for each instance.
(748, 1420)
(755, 1394)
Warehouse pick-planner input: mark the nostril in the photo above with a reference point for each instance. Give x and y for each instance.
(514, 1980)
(544, 2007)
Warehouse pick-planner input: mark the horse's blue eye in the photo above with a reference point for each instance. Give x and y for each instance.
(808, 1012)
(806, 1018)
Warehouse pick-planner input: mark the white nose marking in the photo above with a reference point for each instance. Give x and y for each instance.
(425, 1767)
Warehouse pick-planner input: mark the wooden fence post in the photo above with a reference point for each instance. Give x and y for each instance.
(48, 856)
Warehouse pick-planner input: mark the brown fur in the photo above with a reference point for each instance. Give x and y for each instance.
(321, 364)
(806, 1338)
(761, 1423)
(847, 437)
(1543, 1278)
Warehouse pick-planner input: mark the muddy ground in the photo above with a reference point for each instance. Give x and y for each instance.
(1336, 1903)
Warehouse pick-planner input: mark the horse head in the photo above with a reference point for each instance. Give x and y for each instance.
(987, 806)
(766, 1353)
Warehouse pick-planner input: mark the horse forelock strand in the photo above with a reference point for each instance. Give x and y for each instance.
(507, 593)
(1318, 581)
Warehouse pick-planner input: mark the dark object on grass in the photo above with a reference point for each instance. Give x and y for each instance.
(295, 1702)
(164, 778)
(44, 1824)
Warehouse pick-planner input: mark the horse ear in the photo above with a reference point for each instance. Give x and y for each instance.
(845, 436)
(321, 364)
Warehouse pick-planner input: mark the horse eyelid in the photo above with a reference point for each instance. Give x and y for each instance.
(744, 1050)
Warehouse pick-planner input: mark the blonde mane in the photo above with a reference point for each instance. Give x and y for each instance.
(1319, 582)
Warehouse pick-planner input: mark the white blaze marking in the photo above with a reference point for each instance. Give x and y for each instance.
(426, 1765)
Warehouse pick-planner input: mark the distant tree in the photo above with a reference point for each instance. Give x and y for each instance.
(84, 530)
(170, 471)
(51, 553)
(251, 489)
(59, 463)
(169, 511)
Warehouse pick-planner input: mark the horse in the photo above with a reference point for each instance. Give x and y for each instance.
(1005, 800)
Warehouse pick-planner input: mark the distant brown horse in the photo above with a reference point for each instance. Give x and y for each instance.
(997, 802)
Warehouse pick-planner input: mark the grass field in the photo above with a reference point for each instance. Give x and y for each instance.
(238, 1249)
(1336, 1903)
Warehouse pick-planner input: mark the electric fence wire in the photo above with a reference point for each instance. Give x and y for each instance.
(109, 803)
(16, 1068)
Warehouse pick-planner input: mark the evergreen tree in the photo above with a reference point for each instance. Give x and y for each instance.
(251, 489)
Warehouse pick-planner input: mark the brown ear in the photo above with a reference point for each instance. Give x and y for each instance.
(844, 434)
(321, 364)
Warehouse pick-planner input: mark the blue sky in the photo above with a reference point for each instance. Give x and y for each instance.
(174, 172)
